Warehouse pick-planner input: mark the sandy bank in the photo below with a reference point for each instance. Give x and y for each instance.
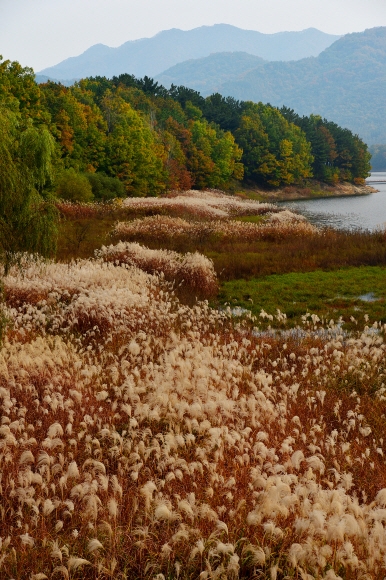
(313, 190)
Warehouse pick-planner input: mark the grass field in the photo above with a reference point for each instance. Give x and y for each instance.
(149, 437)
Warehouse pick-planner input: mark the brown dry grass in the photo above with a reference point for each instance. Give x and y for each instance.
(145, 439)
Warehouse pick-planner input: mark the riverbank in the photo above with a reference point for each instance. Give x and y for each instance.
(313, 190)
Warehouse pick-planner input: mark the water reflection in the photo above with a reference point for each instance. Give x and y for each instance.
(351, 212)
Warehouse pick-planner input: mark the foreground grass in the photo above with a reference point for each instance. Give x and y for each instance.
(142, 439)
(349, 292)
(145, 439)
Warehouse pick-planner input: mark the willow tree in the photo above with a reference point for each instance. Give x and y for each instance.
(28, 216)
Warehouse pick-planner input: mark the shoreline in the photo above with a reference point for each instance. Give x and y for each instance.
(316, 190)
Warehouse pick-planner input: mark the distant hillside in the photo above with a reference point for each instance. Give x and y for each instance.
(44, 78)
(151, 56)
(346, 83)
(207, 75)
(378, 157)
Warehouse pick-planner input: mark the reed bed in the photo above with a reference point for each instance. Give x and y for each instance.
(196, 204)
(210, 204)
(166, 229)
(279, 242)
(192, 273)
(144, 439)
(74, 210)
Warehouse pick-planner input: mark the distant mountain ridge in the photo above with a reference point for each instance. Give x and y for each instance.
(346, 83)
(151, 56)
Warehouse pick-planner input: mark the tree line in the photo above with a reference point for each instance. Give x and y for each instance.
(152, 139)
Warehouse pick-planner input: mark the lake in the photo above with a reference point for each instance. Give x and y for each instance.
(351, 212)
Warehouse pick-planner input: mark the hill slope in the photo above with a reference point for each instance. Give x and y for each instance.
(346, 83)
(151, 56)
(208, 74)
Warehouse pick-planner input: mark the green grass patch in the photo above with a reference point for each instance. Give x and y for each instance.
(327, 294)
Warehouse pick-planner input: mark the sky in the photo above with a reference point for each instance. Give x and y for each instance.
(41, 33)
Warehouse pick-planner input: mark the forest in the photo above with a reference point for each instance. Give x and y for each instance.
(125, 136)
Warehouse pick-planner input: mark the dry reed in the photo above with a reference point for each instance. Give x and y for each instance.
(144, 439)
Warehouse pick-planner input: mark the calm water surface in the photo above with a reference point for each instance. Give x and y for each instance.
(352, 212)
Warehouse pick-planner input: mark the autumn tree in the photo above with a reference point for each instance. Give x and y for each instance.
(78, 125)
(133, 152)
(338, 154)
(178, 144)
(275, 151)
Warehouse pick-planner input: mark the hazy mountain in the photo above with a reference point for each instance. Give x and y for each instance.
(345, 83)
(151, 56)
(378, 157)
(207, 75)
(44, 78)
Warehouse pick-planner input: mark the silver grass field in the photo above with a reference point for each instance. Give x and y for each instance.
(143, 438)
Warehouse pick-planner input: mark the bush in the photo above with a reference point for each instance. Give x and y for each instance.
(104, 187)
(74, 186)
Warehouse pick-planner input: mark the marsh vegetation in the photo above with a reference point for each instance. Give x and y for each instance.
(146, 435)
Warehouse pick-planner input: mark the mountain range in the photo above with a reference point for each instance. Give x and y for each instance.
(151, 56)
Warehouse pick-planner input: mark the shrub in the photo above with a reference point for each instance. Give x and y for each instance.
(74, 186)
(105, 188)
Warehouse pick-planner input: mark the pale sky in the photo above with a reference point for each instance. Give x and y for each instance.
(41, 33)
